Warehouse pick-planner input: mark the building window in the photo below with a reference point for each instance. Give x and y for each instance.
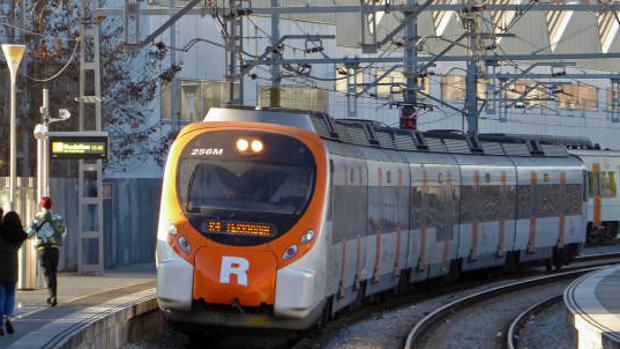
(603, 184)
(481, 89)
(453, 88)
(613, 101)
(196, 97)
(354, 79)
(576, 96)
(215, 94)
(527, 94)
(191, 103)
(394, 84)
(297, 97)
(166, 100)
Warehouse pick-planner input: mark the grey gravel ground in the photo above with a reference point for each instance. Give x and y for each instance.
(389, 329)
(385, 330)
(484, 325)
(548, 329)
(171, 339)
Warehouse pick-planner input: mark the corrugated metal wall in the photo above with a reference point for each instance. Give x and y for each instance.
(130, 217)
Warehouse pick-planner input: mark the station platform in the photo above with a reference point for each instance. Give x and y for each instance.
(81, 300)
(593, 301)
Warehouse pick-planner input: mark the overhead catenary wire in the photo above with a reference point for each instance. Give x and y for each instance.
(516, 66)
(61, 70)
(309, 76)
(566, 37)
(28, 31)
(306, 76)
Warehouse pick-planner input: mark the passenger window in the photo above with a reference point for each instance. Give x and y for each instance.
(352, 175)
(586, 176)
(594, 183)
(389, 177)
(608, 184)
(487, 177)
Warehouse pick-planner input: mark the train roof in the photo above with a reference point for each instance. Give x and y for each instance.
(567, 141)
(376, 134)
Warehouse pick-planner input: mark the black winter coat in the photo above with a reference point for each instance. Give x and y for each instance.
(10, 241)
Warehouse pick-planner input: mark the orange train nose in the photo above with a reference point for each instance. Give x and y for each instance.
(247, 276)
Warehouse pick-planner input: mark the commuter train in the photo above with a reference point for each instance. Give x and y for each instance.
(279, 219)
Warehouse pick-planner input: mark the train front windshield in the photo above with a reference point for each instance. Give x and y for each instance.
(245, 198)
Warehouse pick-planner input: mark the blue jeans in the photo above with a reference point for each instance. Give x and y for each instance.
(7, 299)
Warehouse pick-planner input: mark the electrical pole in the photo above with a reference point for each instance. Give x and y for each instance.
(90, 202)
(470, 18)
(409, 109)
(234, 46)
(274, 95)
(174, 83)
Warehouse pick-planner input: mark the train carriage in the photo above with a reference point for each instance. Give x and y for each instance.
(603, 168)
(271, 219)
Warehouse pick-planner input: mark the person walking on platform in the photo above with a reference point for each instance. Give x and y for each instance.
(49, 229)
(12, 235)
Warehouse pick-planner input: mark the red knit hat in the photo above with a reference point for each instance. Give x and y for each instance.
(46, 202)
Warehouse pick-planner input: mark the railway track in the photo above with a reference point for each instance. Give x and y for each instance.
(424, 296)
(423, 329)
(515, 327)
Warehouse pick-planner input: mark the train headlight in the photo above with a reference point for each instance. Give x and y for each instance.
(290, 252)
(257, 145)
(242, 145)
(172, 229)
(307, 237)
(184, 245)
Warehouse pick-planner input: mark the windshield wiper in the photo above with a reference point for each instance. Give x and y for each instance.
(190, 184)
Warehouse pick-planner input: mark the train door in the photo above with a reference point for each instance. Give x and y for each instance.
(349, 217)
(487, 211)
(538, 195)
(573, 205)
(433, 239)
(609, 208)
(388, 221)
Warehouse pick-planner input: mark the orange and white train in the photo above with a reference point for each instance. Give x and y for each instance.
(603, 168)
(276, 219)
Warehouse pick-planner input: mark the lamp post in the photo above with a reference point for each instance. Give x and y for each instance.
(13, 54)
(41, 133)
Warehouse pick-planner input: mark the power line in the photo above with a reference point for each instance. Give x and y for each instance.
(59, 72)
(30, 31)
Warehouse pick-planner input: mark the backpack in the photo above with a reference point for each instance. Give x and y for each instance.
(51, 232)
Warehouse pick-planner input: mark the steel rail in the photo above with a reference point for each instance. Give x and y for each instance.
(519, 321)
(423, 326)
(594, 257)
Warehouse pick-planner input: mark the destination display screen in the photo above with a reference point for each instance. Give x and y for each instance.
(82, 147)
(238, 228)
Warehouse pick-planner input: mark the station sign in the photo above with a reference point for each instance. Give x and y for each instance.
(78, 145)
